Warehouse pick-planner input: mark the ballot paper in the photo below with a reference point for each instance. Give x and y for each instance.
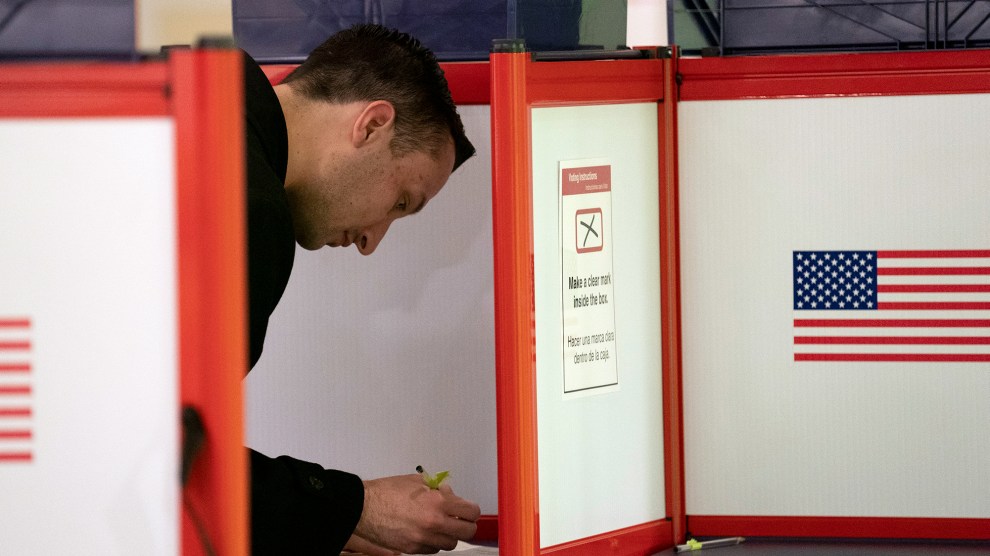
(467, 549)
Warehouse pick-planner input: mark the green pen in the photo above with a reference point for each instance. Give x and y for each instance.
(432, 481)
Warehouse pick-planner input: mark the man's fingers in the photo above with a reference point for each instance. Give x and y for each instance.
(461, 508)
(436, 543)
(461, 528)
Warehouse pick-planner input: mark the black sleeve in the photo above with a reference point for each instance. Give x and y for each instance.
(300, 508)
(271, 246)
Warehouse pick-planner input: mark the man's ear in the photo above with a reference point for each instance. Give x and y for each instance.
(375, 122)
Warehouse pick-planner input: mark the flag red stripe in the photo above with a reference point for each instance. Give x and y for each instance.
(934, 271)
(15, 456)
(15, 434)
(896, 357)
(935, 254)
(897, 340)
(934, 305)
(15, 390)
(15, 411)
(933, 288)
(14, 367)
(15, 323)
(18, 345)
(900, 323)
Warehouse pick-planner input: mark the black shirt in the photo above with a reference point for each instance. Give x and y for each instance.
(296, 507)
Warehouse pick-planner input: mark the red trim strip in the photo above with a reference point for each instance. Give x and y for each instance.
(19, 434)
(646, 538)
(841, 527)
(469, 82)
(15, 411)
(277, 72)
(487, 529)
(15, 456)
(827, 75)
(515, 355)
(15, 323)
(593, 82)
(83, 90)
(896, 357)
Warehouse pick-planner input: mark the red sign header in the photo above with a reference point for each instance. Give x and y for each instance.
(589, 179)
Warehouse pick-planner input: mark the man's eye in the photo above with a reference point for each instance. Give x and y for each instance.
(401, 205)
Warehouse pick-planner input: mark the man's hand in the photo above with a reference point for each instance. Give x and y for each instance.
(401, 513)
(357, 545)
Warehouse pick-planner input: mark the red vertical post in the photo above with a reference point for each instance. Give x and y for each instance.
(515, 354)
(670, 301)
(206, 88)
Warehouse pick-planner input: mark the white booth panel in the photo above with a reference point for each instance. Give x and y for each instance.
(765, 433)
(89, 378)
(600, 446)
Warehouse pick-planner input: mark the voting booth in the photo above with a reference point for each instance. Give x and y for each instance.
(716, 195)
(122, 300)
(580, 242)
(673, 355)
(835, 295)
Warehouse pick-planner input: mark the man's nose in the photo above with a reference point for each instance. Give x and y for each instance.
(371, 237)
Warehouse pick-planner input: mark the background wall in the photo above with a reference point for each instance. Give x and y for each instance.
(163, 22)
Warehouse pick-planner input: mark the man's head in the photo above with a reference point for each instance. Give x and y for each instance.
(373, 136)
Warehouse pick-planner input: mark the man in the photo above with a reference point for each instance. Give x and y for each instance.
(360, 134)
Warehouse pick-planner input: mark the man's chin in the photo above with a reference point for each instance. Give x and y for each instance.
(310, 245)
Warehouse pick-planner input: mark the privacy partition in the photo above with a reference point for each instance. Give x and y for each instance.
(579, 225)
(122, 299)
(836, 295)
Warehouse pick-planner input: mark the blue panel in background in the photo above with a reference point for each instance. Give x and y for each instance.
(67, 29)
(731, 27)
(286, 31)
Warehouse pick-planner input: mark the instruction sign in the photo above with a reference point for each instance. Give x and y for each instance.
(586, 252)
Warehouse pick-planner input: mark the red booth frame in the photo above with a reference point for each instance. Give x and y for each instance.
(200, 90)
(517, 85)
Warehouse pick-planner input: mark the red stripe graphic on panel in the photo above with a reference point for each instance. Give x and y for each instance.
(892, 306)
(16, 408)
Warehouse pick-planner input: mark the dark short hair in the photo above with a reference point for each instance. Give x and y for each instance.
(371, 62)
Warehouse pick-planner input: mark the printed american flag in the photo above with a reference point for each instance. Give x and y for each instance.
(15, 390)
(931, 306)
